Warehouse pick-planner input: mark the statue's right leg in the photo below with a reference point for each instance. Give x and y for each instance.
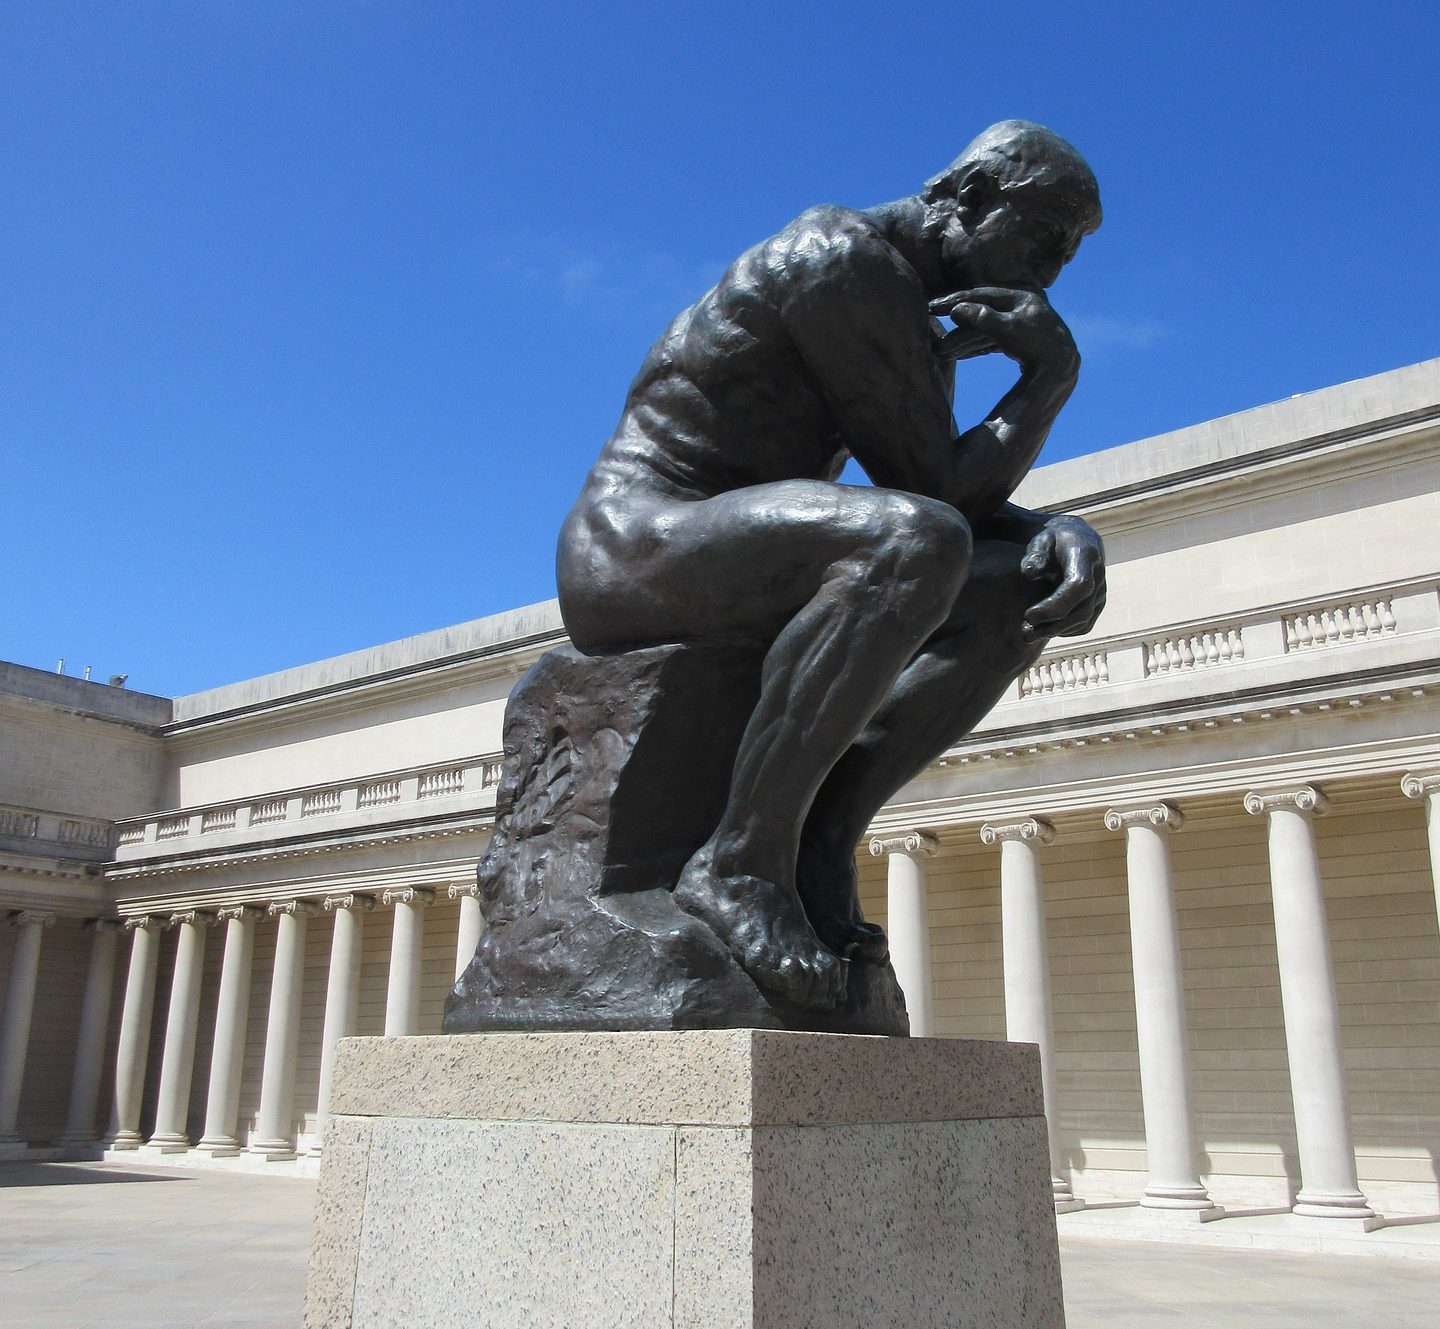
(942, 694)
(849, 582)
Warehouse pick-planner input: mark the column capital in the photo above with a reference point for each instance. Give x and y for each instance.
(1418, 784)
(31, 917)
(138, 922)
(298, 908)
(1028, 828)
(243, 913)
(1161, 815)
(458, 888)
(1297, 798)
(920, 843)
(419, 895)
(364, 903)
(195, 917)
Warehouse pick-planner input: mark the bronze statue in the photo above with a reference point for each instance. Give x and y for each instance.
(885, 621)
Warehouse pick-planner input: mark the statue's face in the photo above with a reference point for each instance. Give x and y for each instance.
(1019, 237)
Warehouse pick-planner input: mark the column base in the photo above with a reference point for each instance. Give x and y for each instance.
(78, 1140)
(1178, 1199)
(1179, 1215)
(166, 1144)
(218, 1146)
(1065, 1202)
(1347, 1205)
(126, 1140)
(272, 1151)
(808, 1178)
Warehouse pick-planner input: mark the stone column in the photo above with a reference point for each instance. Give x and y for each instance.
(1027, 967)
(177, 1061)
(1328, 1185)
(402, 996)
(1427, 786)
(232, 1017)
(472, 923)
(1174, 1180)
(133, 1051)
(342, 992)
(274, 1127)
(907, 922)
(90, 1039)
(15, 1022)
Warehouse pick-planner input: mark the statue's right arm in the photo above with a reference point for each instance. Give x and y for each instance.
(856, 312)
(859, 316)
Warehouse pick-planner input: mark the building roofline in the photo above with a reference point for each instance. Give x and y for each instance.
(84, 696)
(1302, 423)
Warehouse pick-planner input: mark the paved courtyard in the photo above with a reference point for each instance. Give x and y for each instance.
(98, 1246)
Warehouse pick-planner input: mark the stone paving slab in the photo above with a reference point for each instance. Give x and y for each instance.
(101, 1246)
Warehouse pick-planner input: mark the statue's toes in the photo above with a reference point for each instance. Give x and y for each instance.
(810, 982)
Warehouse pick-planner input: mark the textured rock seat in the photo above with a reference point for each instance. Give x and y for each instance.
(616, 769)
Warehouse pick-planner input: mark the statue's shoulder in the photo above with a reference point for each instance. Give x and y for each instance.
(831, 241)
(829, 230)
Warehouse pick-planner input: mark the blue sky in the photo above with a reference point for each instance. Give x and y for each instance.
(313, 315)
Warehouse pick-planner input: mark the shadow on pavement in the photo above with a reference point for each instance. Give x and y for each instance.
(73, 1174)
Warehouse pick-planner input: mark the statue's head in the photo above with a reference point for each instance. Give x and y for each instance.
(1012, 208)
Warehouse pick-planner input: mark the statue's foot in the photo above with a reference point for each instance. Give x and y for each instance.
(828, 891)
(766, 933)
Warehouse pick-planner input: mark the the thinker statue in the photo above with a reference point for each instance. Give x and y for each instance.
(885, 620)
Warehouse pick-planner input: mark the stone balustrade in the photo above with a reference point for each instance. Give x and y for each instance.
(57, 833)
(357, 801)
(1234, 640)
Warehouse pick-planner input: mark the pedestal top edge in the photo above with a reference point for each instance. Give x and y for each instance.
(726, 1077)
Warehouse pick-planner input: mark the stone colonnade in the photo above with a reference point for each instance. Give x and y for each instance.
(274, 1135)
(1329, 1187)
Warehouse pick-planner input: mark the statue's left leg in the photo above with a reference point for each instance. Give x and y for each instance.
(942, 694)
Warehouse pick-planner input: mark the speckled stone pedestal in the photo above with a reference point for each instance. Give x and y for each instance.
(754, 1179)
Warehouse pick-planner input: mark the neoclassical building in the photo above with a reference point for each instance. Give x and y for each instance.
(1186, 855)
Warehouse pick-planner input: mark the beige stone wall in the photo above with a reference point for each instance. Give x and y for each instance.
(59, 758)
(1303, 542)
(335, 742)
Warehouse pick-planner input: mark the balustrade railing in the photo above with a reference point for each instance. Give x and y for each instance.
(479, 777)
(1329, 625)
(1066, 673)
(1202, 649)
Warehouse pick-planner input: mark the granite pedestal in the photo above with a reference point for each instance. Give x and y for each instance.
(746, 1178)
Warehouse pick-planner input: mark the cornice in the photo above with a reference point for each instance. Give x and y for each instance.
(499, 660)
(363, 882)
(1086, 794)
(1295, 462)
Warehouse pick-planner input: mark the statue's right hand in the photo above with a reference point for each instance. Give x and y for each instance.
(1022, 324)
